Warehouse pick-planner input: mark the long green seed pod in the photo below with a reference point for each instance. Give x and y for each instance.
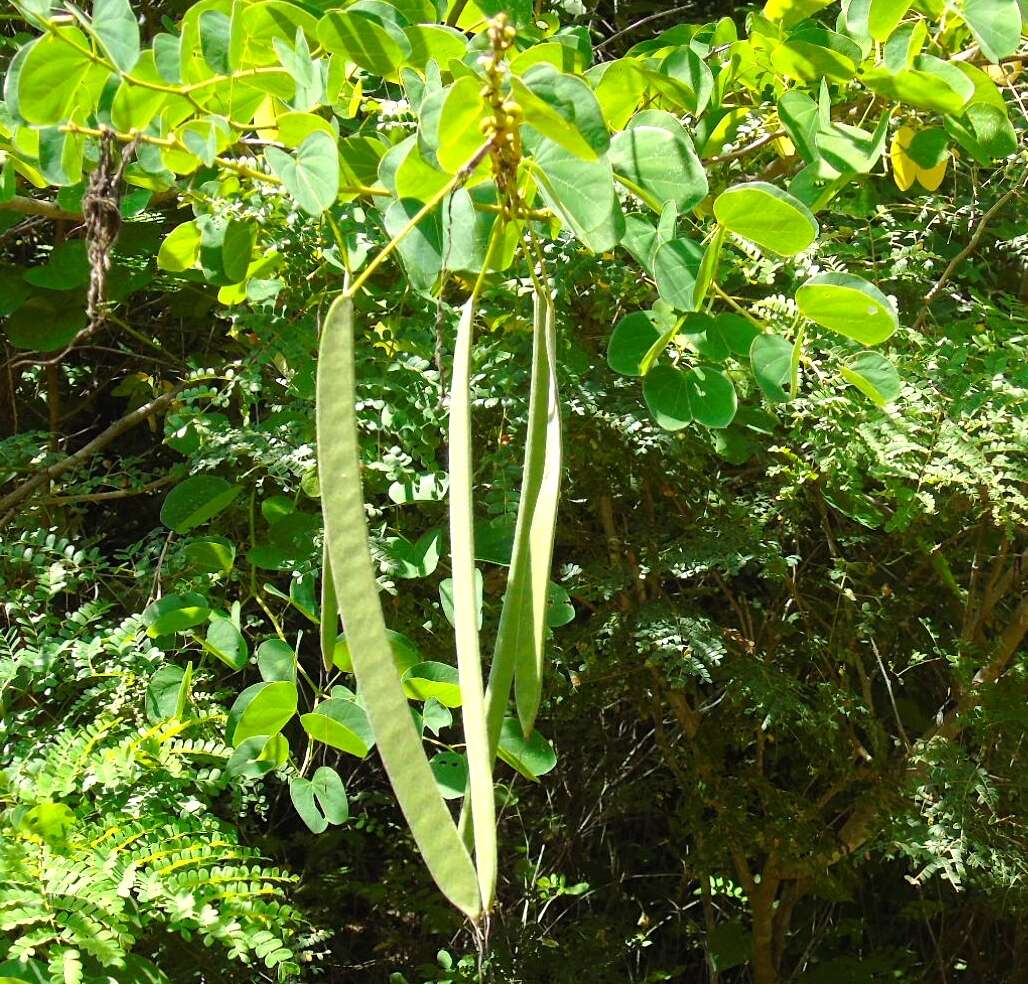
(346, 534)
(519, 641)
(329, 627)
(465, 611)
(522, 628)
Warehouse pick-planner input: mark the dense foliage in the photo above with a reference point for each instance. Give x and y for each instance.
(646, 391)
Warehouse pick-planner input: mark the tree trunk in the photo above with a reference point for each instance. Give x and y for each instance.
(762, 901)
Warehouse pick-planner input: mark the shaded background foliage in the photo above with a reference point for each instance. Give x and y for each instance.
(766, 618)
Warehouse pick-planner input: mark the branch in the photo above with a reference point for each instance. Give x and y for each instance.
(971, 246)
(748, 149)
(67, 500)
(119, 427)
(37, 206)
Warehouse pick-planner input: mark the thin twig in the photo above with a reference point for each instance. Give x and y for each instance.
(112, 433)
(972, 245)
(688, 8)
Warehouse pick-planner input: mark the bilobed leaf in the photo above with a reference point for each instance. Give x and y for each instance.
(770, 359)
(662, 165)
(118, 30)
(433, 679)
(301, 793)
(374, 45)
(347, 539)
(276, 660)
(258, 755)
(563, 108)
(175, 613)
(848, 305)
(211, 555)
(996, 25)
(874, 375)
(532, 757)
(57, 77)
(666, 391)
(341, 724)
(226, 642)
(676, 265)
(450, 770)
(331, 794)
(634, 343)
(580, 192)
(162, 693)
(47, 322)
(884, 16)
(767, 216)
(195, 500)
(262, 709)
(712, 398)
(311, 174)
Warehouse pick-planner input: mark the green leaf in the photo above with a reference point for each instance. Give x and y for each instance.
(180, 249)
(874, 375)
(311, 174)
(371, 44)
(58, 78)
(413, 560)
(984, 131)
(216, 40)
(771, 360)
(422, 249)
(917, 87)
(712, 397)
(321, 800)
(661, 164)
(276, 661)
(884, 16)
(66, 269)
(996, 25)
(433, 679)
(848, 305)
(532, 757)
(666, 392)
(341, 724)
(767, 216)
(809, 61)
(195, 500)
(211, 555)
(162, 693)
(564, 109)
(175, 613)
(676, 265)
(399, 743)
(226, 642)
(434, 42)
(257, 756)
(60, 156)
(262, 709)
(580, 192)
(637, 340)
(47, 322)
(559, 610)
(446, 596)
(331, 794)
(118, 30)
(301, 793)
(450, 770)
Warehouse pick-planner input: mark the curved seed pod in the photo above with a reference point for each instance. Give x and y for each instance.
(346, 534)
(465, 611)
